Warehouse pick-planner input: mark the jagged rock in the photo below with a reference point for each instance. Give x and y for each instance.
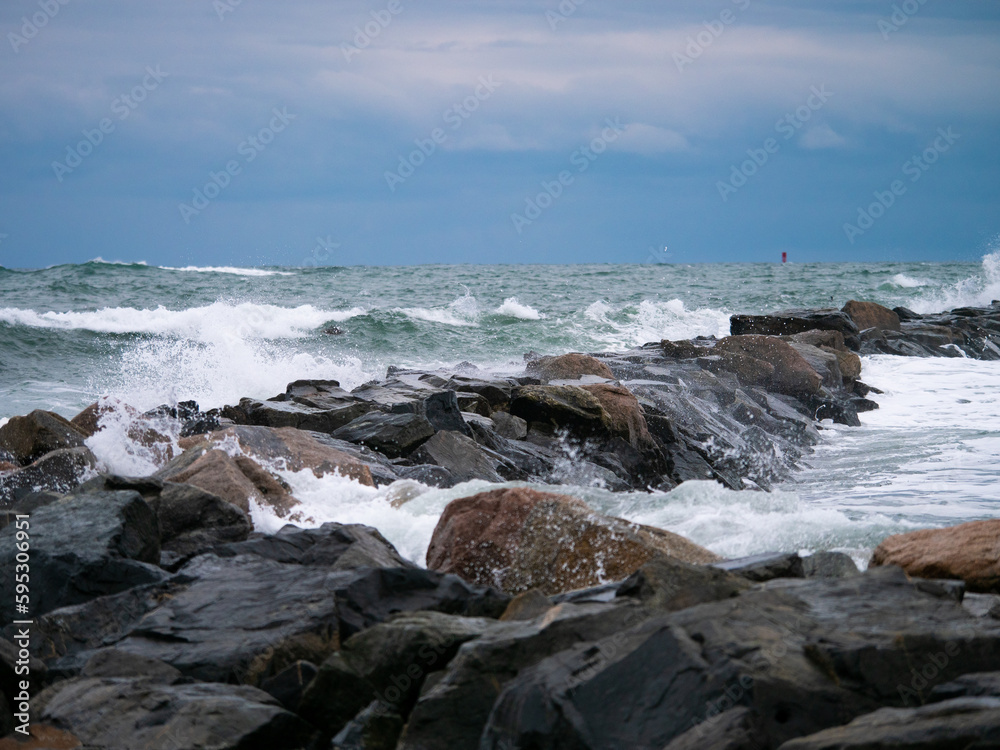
(829, 565)
(568, 367)
(452, 710)
(114, 663)
(527, 606)
(421, 395)
(392, 434)
(509, 426)
(802, 654)
(289, 684)
(682, 349)
(625, 415)
(83, 547)
(973, 685)
(982, 605)
(61, 471)
(792, 373)
(825, 363)
(126, 713)
(28, 438)
(789, 322)
(872, 315)
(958, 723)
(42, 737)
(669, 584)
(560, 406)
(733, 729)
(517, 539)
(765, 567)
(967, 552)
(377, 727)
(237, 480)
(461, 456)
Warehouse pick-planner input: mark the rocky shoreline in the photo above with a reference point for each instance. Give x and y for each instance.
(160, 618)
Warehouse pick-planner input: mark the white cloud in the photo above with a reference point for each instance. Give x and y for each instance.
(821, 136)
(650, 140)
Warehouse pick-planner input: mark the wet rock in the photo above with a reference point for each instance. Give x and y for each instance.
(392, 434)
(802, 654)
(509, 426)
(982, 605)
(665, 583)
(765, 567)
(829, 565)
(288, 685)
(59, 471)
(967, 552)
(517, 539)
(568, 367)
(83, 547)
(792, 373)
(958, 723)
(125, 713)
(527, 606)
(464, 459)
(560, 406)
(114, 663)
(28, 438)
(734, 729)
(452, 710)
(377, 727)
(625, 415)
(973, 685)
(825, 363)
(789, 322)
(326, 416)
(872, 315)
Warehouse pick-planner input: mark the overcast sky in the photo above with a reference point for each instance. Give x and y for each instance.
(404, 131)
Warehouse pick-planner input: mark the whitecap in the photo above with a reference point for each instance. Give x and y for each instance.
(514, 309)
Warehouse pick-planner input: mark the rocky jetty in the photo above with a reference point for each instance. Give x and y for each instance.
(160, 618)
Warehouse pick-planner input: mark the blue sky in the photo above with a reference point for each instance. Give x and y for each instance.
(208, 132)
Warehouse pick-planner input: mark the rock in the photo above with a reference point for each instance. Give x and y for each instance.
(42, 737)
(509, 426)
(625, 415)
(982, 605)
(792, 373)
(765, 567)
(453, 709)
(958, 723)
(377, 727)
(973, 685)
(872, 315)
(12, 673)
(236, 480)
(560, 406)
(461, 456)
(333, 545)
(734, 729)
(295, 450)
(527, 606)
(288, 685)
(905, 313)
(823, 339)
(28, 438)
(825, 363)
(319, 413)
(123, 714)
(59, 471)
(392, 434)
(193, 520)
(967, 552)
(803, 655)
(517, 539)
(114, 663)
(749, 370)
(665, 583)
(83, 547)
(682, 349)
(790, 322)
(568, 367)
(829, 565)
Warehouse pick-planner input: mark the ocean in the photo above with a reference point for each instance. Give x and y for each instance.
(147, 335)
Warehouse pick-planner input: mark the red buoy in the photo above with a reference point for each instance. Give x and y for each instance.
(784, 257)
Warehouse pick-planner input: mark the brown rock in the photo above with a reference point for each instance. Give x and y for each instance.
(792, 373)
(527, 606)
(560, 406)
(872, 315)
(138, 428)
(850, 363)
(569, 367)
(683, 349)
(25, 439)
(749, 370)
(517, 539)
(7, 466)
(625, 415)
(969, 551)
(42, 737)
(820, 338)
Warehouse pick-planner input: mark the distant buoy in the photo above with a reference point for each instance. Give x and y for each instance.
(784, 257)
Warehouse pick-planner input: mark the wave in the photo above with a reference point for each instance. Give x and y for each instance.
(978, 290)
(634, 325)
(908, 282)
(514, 309)
(462, 312)
(99, 261)
(228, 269)
(211, 323)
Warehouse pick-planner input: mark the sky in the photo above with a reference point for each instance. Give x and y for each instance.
(334, 132)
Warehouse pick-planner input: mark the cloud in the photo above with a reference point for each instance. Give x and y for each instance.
(650, 140)
(821, 136)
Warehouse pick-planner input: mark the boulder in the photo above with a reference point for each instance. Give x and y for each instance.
(817, 337)
(301, 413)
(461, 456)
(26, 439)
(392, 434)
(236, 480)
(377, 727)
(825, 363)
(666, 583)
(765, 567)
(625, 415)
(193, 520)
(568, 367)
(969, 552)
(872, 315)
(958, 723)
(83, 547)
(290, 683)
(126, 713)
(509, 426)
(560, 406)
(829, 565)
(789, 322)
(792, 373)
(517, 539)
(60, 471)
(972, 685)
